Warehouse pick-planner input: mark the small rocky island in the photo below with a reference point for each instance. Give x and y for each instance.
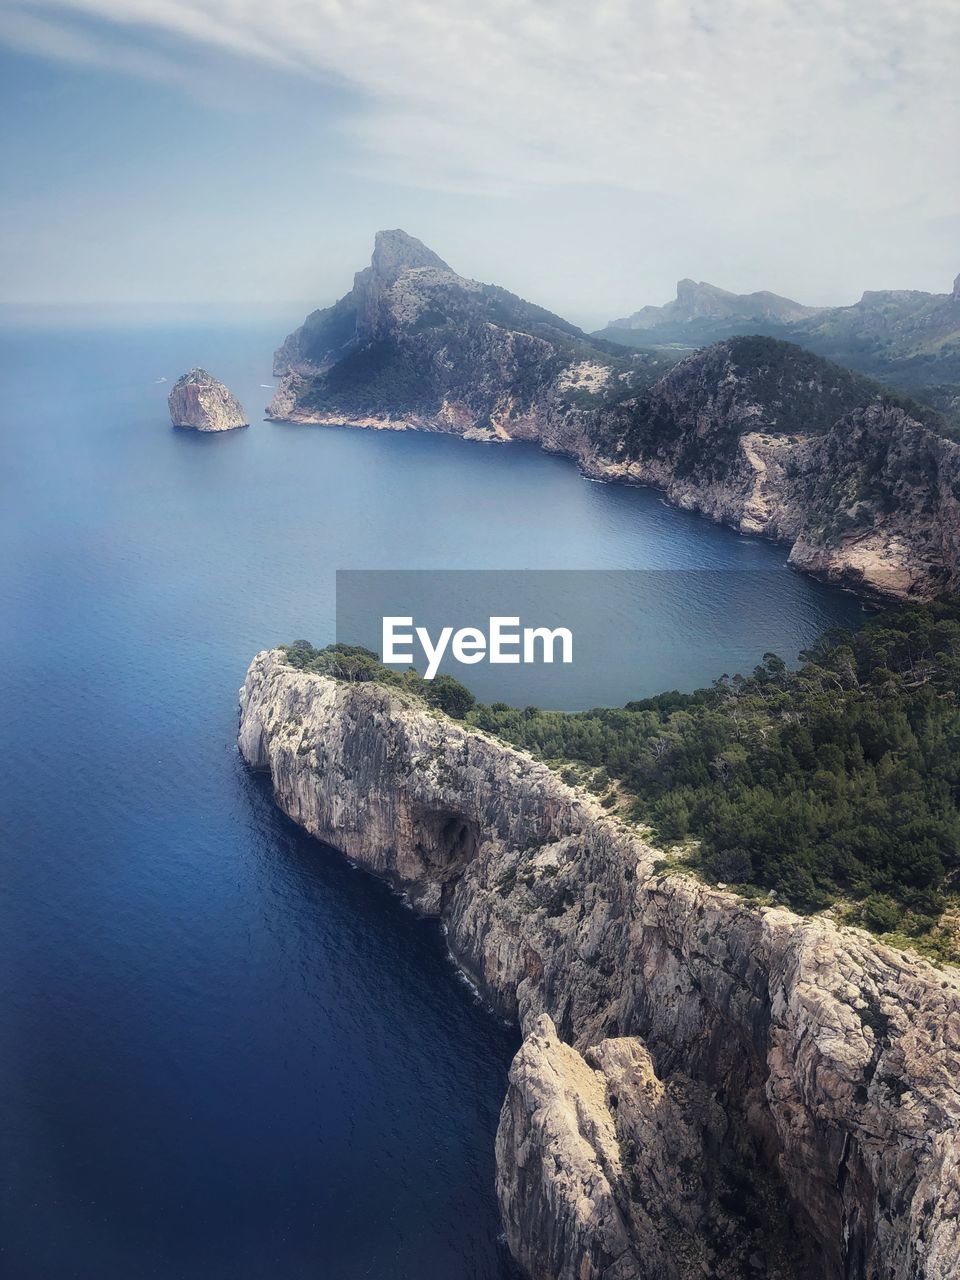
(200, 402)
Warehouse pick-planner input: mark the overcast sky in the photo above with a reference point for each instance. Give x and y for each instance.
(585, 156)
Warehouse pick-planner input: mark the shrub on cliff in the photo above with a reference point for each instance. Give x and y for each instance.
(449, 695)
(357, 665)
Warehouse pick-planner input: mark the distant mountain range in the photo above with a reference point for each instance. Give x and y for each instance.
(705, 303)
(903, 337)
(753, 431)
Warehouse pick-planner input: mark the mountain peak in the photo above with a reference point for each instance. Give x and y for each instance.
(394, 251)
(696, 293)
(700, 301)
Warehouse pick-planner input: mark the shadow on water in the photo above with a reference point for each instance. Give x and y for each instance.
(387, 992)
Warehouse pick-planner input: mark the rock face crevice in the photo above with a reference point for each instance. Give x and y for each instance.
(693, 1064)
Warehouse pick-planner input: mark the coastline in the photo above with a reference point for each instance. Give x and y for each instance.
(865, 570)
(797, 1026)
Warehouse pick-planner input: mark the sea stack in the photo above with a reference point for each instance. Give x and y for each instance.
(202, 403)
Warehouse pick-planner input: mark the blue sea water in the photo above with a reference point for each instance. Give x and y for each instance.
(227, 1055)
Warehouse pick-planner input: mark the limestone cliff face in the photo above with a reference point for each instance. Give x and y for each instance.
(199, 401)
(674, 1033)
(876, 502)
(869, 497)
(600, 1159)
(864, 495)
(328, 335)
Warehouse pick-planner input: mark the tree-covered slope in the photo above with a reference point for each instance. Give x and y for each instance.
(836, 783)
(696, 413)
(907, 339)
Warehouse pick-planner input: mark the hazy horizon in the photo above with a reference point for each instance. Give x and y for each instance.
(211, 153)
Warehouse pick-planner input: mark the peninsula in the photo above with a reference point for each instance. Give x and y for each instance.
(758, 433)
(709, 1085)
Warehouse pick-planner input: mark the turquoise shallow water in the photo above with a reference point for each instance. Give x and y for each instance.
(226, 1053)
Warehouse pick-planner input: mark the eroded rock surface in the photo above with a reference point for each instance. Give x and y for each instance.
(199, 401)
(733, 1036)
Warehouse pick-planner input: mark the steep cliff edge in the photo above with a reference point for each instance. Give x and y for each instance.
(754, 432)
(774, 441)
(694, 1031)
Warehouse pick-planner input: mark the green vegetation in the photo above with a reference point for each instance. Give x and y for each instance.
(695, 416)
(916, 352)
(380, 377)
(804, 392)
(357, 665)
(837, 783)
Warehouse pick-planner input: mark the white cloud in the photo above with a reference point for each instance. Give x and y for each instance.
(767, 103)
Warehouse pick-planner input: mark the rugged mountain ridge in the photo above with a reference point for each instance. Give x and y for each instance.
(330, 334)
(904, 337)
(700, 301)
(416, 345)
(752, 431)
(672, 1031)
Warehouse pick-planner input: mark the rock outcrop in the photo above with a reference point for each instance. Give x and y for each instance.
(330, 334)
(598, 1158)
(415, 345)
(707, 1086)
(752, 431)
(200, 402)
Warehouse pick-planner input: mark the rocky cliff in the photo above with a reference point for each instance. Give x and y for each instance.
(199, 401)
(707, 1086)
(770, 439)
(330, 334)
(415, 345)
(753, 431)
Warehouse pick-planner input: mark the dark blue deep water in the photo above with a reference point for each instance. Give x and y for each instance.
(225, 1054)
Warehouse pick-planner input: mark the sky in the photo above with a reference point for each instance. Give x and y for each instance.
(241, 154)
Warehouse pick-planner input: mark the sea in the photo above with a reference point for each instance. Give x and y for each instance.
(226, 1054)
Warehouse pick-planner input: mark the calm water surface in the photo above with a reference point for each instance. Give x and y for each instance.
(226, 1054)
